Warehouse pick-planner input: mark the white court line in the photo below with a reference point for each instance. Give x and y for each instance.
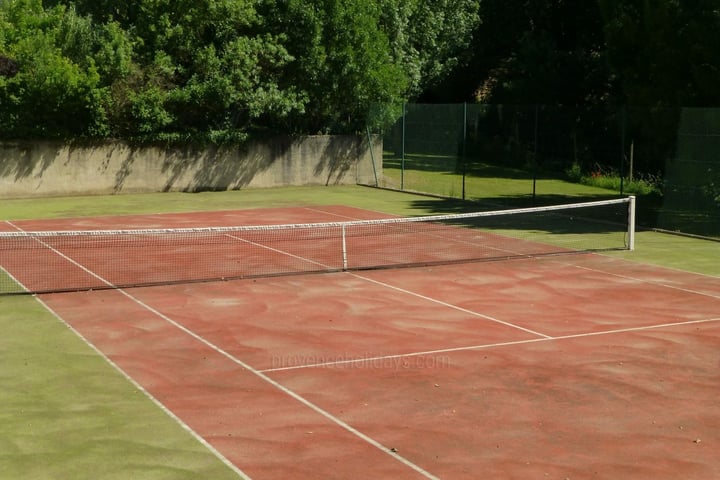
(147, 394)
(330, 268)
(12, 277)
(663, 267)
(65, 257)
(282, 388)
(339, 215)
(283, 252)
(490, 345)
(647, 281)
(487, 317)
(260, 373)
(337, 421)
(445, 238)
(450, 305)
(157, 402)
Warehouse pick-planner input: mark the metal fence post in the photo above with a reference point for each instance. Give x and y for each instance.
(464, 149)
(623, 124)
(402, 150)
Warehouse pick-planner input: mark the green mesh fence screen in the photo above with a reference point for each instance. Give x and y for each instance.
(691, 200)
(509, 155)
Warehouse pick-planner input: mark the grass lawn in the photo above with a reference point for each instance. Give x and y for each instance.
(67, 413)
(494, 184)
(437, 175)
(674, 251)
(68, 207)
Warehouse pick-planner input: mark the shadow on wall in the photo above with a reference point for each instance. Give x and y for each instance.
(21, 160)
(213, 168)
(83, 167)
(336, 160)
(280, 161)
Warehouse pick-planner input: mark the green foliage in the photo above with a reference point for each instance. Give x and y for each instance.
(204, 72)
(603, 177)
(574, 173)
(8, 67)
(562, 52)
(147, 109)
(428, 39)
(660, 51)
(114, 53)
(547, 52)
(57, 90)
(222, 70)
(341, 62)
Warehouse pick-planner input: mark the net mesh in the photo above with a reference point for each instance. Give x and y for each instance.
(58, 261)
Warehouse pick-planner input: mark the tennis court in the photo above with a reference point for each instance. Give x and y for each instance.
(550, 366)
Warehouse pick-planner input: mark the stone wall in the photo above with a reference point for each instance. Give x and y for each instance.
(48, 168)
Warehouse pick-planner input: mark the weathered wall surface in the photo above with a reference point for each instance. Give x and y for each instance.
(53, 168)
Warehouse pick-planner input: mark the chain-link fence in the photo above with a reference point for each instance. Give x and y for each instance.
(522, 155)
(691, 182)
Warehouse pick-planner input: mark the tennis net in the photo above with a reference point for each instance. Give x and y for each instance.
(59, 261)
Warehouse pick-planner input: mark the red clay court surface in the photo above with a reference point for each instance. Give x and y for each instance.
(566, 367)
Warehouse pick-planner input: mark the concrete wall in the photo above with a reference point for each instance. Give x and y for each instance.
(53, 168)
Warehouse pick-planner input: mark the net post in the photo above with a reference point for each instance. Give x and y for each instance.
(631, 222)
(344, 250)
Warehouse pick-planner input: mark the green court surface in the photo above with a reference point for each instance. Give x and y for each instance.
(67, 413)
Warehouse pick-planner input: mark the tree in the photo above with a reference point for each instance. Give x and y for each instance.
(56, 90)
(184, 70)
(207, 71)
(541, 52)
(661, 51)
(429, 39)
(8, 67)
(223, 69)
(341, 64)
